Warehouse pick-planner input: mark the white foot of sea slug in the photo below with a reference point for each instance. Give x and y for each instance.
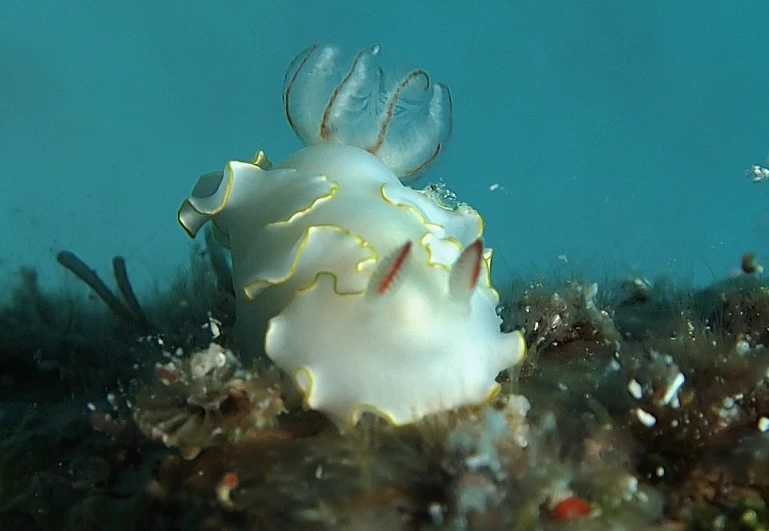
(373, 296)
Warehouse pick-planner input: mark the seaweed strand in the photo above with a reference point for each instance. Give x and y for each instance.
(127, 292)
(79, 268)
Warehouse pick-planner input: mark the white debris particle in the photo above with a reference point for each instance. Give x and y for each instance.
(660, 471)
(673, 388)
(646, 418)
(319, 472)
(205, 361)
(477, 461)
(758, 174)
(214, 325)
(763, 424)
(728, 412)
(436, 513)
(111, 400)
(635, 389)
(496, 187)
(631, 487)
(90, 406)
(742, 347)
(614, 366)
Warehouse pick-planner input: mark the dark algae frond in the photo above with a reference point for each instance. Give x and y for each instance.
(128, 308)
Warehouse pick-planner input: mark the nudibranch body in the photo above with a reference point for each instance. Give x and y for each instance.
(373, 296)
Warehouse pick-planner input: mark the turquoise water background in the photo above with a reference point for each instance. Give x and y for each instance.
(600, 136)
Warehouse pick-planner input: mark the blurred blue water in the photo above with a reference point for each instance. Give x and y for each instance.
(618, 133)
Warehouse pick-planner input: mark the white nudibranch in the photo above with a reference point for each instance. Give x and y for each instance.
(372, 295)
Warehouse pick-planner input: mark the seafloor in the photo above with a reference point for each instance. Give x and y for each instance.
(642, 405)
